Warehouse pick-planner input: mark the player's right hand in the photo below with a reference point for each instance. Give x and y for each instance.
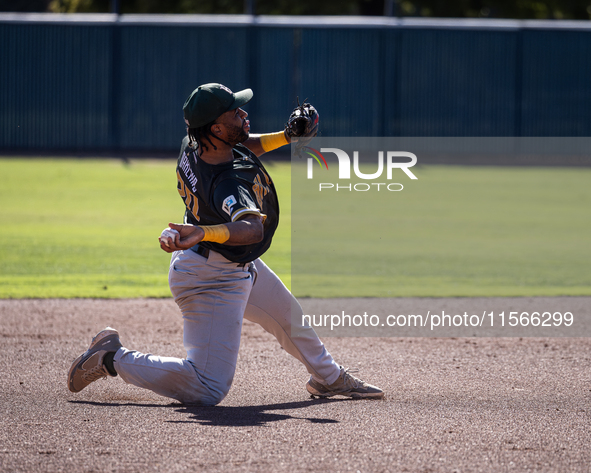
(189, 236)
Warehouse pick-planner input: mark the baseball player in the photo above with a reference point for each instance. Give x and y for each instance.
(216, 275)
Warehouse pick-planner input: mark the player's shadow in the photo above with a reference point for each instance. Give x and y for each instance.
(230, 416)
(251, 415)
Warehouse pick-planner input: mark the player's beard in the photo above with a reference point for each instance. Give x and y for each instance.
(237, 135)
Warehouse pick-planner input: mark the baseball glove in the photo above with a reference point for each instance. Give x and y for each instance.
(302, 125)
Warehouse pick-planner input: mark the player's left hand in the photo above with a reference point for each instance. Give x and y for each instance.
(302, 123)
(302, 126)
(189, 236)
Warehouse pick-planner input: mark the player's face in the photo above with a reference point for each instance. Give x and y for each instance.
(235, 125)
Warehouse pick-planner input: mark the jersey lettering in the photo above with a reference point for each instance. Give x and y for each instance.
(260, 190)
(190, 199)
(266, 177)
(186, 167)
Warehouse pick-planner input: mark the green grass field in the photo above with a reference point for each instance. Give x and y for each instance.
(456, 231)
(89, 228)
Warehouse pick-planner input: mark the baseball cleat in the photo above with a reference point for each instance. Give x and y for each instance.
(89, 366)
(346, 385)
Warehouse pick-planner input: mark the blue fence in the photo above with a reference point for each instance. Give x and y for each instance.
(98, 82)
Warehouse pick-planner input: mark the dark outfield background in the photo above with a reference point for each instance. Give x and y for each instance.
(105, 84)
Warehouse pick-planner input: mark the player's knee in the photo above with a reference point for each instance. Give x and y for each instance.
(210, 398)
(214, 399)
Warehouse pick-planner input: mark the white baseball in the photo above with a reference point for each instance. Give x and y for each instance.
(168, 233)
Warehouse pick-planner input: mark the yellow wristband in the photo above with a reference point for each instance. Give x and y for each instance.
(216, 233)
(271, 141)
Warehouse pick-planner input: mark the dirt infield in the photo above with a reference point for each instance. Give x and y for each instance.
(464, 404)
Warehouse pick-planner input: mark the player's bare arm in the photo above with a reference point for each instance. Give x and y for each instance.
(246, 231)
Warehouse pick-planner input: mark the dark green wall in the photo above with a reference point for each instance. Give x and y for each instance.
(107, 85)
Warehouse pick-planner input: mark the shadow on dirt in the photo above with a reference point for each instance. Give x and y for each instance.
(231, 416)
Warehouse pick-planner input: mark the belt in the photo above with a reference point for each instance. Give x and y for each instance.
(202, 251)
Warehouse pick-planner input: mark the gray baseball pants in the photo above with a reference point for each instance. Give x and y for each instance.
(214, 295)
